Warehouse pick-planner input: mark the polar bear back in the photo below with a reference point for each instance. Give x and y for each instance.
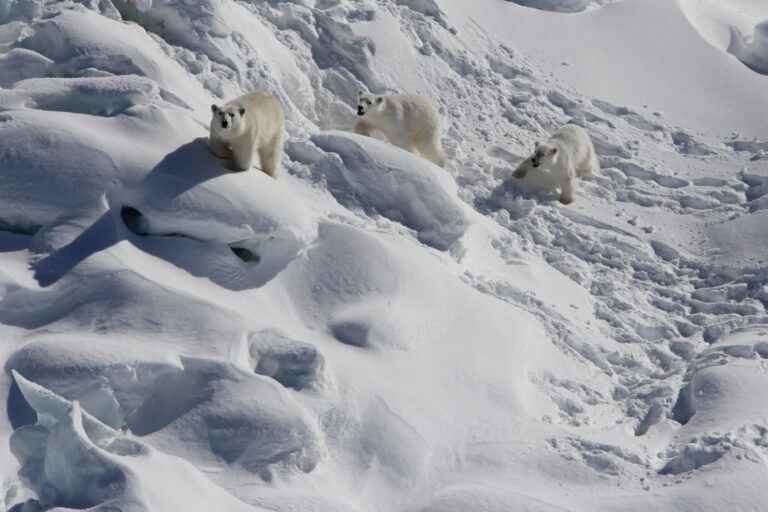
(417, 113)
(574, 143)
(264, 112)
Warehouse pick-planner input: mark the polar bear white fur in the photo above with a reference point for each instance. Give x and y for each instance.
(409, 122)
(253, 123)
(567, 154)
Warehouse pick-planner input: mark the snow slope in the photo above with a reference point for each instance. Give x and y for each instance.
(370, 332)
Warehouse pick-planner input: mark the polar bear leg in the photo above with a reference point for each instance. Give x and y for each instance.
(432, 150)
(590, 167)
(242, 154)
(219, 148)
(568, 191)
(270, 155)
(363, 128)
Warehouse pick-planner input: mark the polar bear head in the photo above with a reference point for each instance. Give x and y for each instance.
(368, 102)
(543, 154)
(228, 121)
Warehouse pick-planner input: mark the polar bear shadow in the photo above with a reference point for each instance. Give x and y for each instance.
(184, 168)
(229, 255)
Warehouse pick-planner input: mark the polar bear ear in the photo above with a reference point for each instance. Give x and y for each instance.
(214, 108)
(536, 144)
(242, 111)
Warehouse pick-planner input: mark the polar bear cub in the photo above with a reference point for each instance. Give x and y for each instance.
(253, 123)
(567, 154)
(409, 122)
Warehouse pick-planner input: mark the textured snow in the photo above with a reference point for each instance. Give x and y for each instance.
(370, 332)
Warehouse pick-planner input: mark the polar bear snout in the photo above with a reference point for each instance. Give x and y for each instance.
(360, 110)
(520, 173)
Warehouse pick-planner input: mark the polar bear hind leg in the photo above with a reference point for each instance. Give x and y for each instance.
(270, 154)
(590, 167)
(432, 149)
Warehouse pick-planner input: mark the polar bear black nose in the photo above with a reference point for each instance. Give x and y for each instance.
(360, 111)
(224, 124)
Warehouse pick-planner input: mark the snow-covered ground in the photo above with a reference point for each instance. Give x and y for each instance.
(370, 332)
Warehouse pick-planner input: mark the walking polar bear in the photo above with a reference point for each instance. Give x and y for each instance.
(409, 122)
(253, 123)
(567, 154)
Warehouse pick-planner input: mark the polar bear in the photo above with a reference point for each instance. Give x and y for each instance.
(409, 122)
(252, 123)
(567, 154)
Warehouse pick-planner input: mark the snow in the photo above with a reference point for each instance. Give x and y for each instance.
(370, 332)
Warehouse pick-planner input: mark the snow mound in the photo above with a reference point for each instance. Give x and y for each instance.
(108, 378)
(250, 214)
(71, 464)
(739, 28)
(104, 96)
(76, 166)
(752, 50)
(84, 43)
(562, 5)
(347, 285)
(243, 418)
(383, 179)
(19, 64)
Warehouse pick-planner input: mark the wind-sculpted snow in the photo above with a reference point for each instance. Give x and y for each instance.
(566, 6)
(75, 465)
(82, 43)
(108, 379)
(73, 167)
(752, 50)
(104, 96)
(376, 177)
(243, 418)
(739, 28)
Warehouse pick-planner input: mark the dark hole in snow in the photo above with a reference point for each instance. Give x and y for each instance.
(683, 410)
(351, 333)
(134, 220)
(20, 413)
(246, 255)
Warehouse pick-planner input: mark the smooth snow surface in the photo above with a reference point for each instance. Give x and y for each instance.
(370, 332)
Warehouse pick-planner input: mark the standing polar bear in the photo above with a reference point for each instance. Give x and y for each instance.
(409, 122)
(252, 123)
(567, 154)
